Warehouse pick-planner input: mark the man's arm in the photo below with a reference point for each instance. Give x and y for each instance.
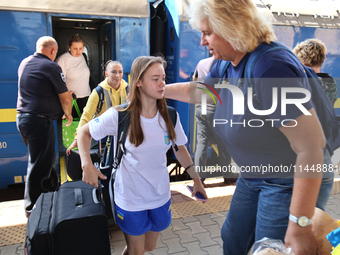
(66, 104)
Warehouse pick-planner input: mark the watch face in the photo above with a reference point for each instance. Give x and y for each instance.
(303, 221)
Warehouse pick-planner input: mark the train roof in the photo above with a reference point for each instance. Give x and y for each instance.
(125, 8)
(308, 13)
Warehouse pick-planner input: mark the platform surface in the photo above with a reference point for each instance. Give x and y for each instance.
(195, 228)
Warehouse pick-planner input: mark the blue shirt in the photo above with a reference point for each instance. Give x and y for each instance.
(255, 142)
(40, 82)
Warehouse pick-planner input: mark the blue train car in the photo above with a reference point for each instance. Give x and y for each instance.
(124, 30)
(119, 30)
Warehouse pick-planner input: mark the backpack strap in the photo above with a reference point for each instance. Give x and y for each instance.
(254, 57)
(87, 63)
(173, 116)
(123, 126)
(101, 95)
(222, 70)
(259, 52)
(100, 92)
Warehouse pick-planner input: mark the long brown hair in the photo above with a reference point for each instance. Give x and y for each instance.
(139, 67)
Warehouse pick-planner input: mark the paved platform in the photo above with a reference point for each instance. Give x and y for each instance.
(195, 228)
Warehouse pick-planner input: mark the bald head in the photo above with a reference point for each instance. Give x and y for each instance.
(45, 42)
(48, 46)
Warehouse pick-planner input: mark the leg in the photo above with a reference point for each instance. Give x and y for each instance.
(273, 208)
(138, 245)
(142, 228)
(238, 229)
(324, 193)
(38, 135)
(326, 184)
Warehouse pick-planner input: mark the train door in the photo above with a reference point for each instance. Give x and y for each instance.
(98, 36)
(99, 46)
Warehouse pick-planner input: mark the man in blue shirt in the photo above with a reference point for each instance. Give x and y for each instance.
(42, 95)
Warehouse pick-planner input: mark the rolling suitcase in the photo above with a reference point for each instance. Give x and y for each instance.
(73, 164)
(69, 221)
(73, 167)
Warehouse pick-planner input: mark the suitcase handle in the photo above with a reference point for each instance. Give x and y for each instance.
(95, 196)
(78, 197)
(97, 193)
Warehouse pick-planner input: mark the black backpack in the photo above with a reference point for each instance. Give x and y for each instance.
(330, 122)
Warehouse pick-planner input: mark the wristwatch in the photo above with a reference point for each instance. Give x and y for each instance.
(302, 221)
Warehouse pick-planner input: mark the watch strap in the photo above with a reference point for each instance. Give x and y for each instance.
(297, 220)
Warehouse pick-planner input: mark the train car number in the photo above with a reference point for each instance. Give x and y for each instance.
(3, 145)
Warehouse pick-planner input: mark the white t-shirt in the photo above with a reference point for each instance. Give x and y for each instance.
(142, 179)
(77, 74)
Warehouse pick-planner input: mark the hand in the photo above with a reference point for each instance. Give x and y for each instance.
(69, 119)
(198, 187)
(73, 94)
(91, 175)
(73, 145)
(302, 241)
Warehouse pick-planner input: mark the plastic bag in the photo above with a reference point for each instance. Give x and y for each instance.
(69, 131)
(267, 246)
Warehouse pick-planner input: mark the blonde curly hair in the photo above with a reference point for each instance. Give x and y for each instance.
(311, 52)
(236, 21)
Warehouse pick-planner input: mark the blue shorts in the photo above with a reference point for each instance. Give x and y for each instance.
(140, 222)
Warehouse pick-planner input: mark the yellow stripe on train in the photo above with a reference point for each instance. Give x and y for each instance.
(337, 103)
(8, 115)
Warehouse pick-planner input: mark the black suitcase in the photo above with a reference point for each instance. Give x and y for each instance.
(73, 168)
(69, 221)
(73, 164)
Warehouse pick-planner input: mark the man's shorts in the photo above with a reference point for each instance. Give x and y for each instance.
(140, 222)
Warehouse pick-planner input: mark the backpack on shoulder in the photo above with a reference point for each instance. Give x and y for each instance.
(101, 95)
(330, 122)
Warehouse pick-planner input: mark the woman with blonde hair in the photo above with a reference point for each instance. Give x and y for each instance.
(276, 193)
(312, 53)
(142, 188)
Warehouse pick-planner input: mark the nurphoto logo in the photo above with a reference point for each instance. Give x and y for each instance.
(239, 103)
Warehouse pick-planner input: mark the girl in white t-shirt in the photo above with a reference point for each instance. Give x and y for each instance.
(142, 186)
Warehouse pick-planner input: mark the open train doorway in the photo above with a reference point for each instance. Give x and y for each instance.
(99, 37)
(99, 40)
